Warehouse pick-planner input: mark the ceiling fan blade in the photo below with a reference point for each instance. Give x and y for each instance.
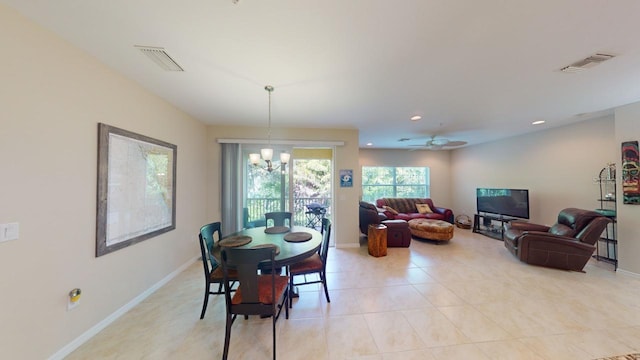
(440, 142)
(456, 143)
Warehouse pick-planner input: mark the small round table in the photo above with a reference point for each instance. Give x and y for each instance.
(290, 252)
(431, 229)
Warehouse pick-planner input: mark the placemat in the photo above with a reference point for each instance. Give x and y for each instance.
(267, 246)
(622, 357)
(298, 236)
(276, 230)
(234, 241)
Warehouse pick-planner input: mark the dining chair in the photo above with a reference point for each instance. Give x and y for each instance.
(314, 264)
(324, 224)
(278, 218)
(212, 271)
(257, 294)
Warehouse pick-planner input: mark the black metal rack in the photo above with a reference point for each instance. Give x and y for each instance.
(607, 246)
(487, 225)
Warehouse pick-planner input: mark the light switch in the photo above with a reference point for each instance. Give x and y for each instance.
(9, 231)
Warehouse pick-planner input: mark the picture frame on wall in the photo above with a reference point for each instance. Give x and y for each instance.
(136, 190)
(630, 173)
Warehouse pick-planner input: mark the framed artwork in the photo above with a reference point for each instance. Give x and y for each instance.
(136, 197)
(630, 179)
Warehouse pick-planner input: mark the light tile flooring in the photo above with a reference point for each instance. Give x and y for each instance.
(467, 299)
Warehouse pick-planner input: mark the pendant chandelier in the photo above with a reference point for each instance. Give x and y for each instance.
(267, 153)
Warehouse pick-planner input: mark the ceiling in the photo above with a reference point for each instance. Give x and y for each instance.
(476, 71)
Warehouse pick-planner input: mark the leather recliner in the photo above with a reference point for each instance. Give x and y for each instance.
(398, 233)
(568, 244)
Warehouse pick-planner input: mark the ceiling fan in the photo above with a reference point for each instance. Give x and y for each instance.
(440, 143)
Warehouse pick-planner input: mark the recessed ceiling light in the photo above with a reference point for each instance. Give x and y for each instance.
(416, 118)
(369, 144)
(538, 122)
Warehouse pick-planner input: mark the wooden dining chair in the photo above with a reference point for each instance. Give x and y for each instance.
(314, 264)
(278, 218)
(213, 276)
(257, 294)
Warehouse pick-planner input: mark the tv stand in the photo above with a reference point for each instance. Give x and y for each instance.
(490, 225)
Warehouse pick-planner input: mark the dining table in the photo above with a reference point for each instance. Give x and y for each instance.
(291, 243)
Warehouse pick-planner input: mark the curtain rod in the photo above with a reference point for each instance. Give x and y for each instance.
(282, 142)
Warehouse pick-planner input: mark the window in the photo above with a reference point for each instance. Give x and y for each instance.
(384, 181)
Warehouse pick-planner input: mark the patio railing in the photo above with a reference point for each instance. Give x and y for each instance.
(257, 207)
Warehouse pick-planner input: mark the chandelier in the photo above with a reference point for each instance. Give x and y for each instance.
(267, 153)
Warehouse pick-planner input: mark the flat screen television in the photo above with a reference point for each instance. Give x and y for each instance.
(503, 202)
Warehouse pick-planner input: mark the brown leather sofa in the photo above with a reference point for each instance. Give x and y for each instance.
(398, 233)
(568, 244)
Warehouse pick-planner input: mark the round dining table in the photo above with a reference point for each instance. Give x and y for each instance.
(289, 252)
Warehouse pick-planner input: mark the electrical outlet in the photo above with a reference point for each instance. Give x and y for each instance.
(9, 231)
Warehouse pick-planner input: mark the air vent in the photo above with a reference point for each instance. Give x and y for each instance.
(587, 63)
(160, 57)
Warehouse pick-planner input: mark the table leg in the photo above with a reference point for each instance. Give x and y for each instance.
(293, 292)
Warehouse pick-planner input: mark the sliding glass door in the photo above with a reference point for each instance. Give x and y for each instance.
(308, 198)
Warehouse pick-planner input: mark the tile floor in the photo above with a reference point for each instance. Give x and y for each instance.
(468, 299)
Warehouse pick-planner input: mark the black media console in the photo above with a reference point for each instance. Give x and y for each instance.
(490, 225)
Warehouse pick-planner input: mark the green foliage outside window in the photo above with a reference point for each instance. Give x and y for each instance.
(384, 181)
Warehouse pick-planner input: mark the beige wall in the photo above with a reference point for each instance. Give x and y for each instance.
(558, 166)
(627, 129)
(52, 98)
(345, 206)
(437, 161)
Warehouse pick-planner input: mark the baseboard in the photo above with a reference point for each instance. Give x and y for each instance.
(69, 348)
(347, 246)
(628, 273)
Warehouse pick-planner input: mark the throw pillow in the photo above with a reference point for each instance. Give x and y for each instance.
(390, 209)
(424, 209)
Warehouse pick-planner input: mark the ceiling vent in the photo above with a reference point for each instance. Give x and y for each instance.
(160, 57)
(587, 63)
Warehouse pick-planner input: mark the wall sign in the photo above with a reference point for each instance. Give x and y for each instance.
(346, 178)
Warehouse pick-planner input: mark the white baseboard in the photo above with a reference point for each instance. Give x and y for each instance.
(348, 246)
(69, 348)
(628, 273)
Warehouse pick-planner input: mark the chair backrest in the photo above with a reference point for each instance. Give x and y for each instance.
(207, 238)
(325, 224)
(368, 215)
(593, 230)
(246, 262)
(324, 247)
(584, 225)
(278, 218)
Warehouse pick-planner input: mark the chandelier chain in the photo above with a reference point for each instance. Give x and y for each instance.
(269, 89)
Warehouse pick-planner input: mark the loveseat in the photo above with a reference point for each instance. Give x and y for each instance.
(406, 209)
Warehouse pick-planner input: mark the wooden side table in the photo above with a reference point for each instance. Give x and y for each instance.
(377, 240)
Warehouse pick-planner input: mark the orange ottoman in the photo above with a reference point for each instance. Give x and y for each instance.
(431, 229)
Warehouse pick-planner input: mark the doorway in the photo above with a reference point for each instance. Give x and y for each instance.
(304, 188)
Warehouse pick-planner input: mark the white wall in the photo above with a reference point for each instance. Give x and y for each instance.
(627, 129)
(345, 206)
(52, 97)
(558, 166)
(438, 163)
